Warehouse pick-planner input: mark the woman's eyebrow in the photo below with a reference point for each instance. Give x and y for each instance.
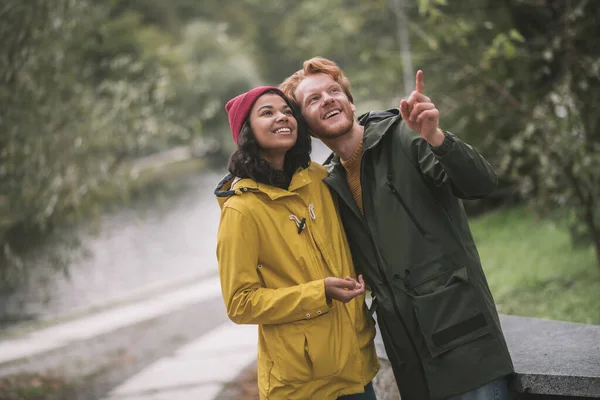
(265, 106)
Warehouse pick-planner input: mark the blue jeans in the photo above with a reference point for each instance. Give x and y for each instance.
(496, 390)
(369, 394)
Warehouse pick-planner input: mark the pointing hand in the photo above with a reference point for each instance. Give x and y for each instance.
(420, 114)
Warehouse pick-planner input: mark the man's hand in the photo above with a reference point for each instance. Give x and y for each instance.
(420, 114)
(345, 289)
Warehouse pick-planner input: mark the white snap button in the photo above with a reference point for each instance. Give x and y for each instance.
(259, 266)
(319, 312)
(307, 315)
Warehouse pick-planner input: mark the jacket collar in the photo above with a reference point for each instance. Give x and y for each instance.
(376, 124)
(230, 186)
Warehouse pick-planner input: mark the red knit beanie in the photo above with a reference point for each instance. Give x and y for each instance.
(239, 107)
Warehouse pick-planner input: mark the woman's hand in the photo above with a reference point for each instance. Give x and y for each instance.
(345, 289)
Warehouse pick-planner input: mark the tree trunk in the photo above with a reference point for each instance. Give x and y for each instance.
(589, 205)
(592, 228)
(596, 240)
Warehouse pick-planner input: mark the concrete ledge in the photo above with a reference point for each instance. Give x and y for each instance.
(551, 358)
(554, 357)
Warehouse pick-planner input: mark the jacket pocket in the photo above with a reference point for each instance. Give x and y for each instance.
(326, 352)
(447, 306)
(305, 351)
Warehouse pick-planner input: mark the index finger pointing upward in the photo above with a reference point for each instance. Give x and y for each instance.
(420, 85)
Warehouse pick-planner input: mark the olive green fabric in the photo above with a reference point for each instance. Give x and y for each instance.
(435, 311)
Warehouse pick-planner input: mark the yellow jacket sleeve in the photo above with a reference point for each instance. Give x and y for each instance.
(247, 302)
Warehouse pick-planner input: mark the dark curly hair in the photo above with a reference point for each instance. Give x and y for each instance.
(246, 161)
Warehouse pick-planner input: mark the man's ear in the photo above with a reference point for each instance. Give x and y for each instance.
(353, 107)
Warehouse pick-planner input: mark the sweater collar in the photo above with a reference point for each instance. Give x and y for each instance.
(354, 158)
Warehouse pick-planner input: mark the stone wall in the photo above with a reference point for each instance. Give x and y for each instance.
(553, 360)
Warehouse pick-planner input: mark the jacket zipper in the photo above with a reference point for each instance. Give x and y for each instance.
(406, 209)
(314, 242)
(383, 275)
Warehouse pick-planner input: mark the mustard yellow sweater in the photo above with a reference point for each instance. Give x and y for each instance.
(352, 167)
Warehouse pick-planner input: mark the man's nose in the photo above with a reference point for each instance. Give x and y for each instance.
(327, 98)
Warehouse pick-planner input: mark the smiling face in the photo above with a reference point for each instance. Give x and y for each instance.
(273, 126)
(326, 108)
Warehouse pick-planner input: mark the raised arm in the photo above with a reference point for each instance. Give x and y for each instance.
(457, 164)
(441, 156)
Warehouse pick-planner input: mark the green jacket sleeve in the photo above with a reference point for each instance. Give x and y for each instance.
(454, 163)
(246, 300)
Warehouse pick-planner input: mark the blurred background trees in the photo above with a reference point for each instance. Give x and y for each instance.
(88, 86)
(523, 79)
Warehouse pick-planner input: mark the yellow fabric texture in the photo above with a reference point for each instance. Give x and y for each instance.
(273, 276)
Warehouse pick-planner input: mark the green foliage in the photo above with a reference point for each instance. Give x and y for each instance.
(87, 86)
(214, 69)
(360, 35)
(527, 76)
(68, 114)
(517, 78)
(520, 79)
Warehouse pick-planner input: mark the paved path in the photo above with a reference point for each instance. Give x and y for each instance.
(197, 370)
(175, 345)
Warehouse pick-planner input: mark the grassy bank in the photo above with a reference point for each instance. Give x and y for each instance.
(534, 271)
(34, 387)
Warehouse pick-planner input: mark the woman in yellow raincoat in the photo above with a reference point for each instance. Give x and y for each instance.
(284, 261)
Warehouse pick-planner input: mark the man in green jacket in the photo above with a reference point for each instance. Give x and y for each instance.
(399, 180)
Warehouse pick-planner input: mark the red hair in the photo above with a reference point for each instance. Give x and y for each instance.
(316, 65)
